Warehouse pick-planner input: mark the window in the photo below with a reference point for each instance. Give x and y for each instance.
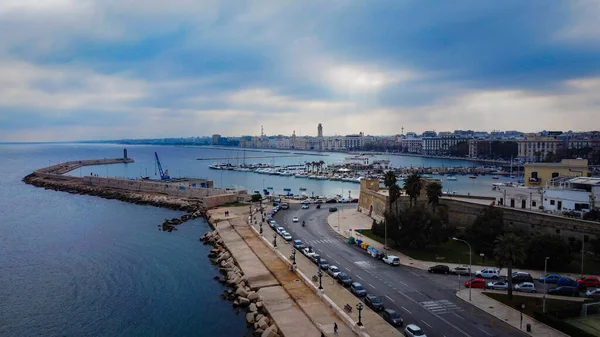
(533, 204)
(534, 175)
(554, 174)
(552, 202)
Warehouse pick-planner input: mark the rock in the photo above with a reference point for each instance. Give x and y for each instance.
(236, 303)
(228, 265)
(274, 328)
(269, 332)
(258, 332)
(259, 317)
(252, 307)
(241, 292)
(216, 278)
(250, 317)
(244, 302)
(263, 323)
(252, 296)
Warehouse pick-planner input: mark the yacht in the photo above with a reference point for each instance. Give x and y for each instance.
(495, 177)
(451, 178)
(302, 188)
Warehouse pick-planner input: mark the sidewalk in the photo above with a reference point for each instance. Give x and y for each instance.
(351, 220)
(507, 314)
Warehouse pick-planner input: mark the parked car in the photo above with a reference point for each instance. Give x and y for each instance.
(463, 271)
(565, 281)
(550, 278)
(280, 230)
(475, 283)
(526, 287)
(588, 281)
(315, 258)
(358, 290)
(305, 206)
(412, 330)
(285, 205)
(344, 279)
(323, 264)
(564, 291)
(305, 202)
(273, 224)
(392, 260)
(439, 269)
(308, 252)
(520, 277)
(331, 201)
(269, 219)
(593, 293)
(392, 317)
(374, 303)
(295, 219)
(298, 244)
(333, 209)
(497, 285)
(333, 271)
(319, 201)
(488, 273)
(286, 236)
(276, 201)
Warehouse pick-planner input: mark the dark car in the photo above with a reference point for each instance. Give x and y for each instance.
(392, 317)
(315, 258)
(323, 264)
(565, 281)
(358, 289)
(374, 303)
(521, 277)
(331, 201)
(344, 279)
(564, 291)
(439, 269)
(333, 209)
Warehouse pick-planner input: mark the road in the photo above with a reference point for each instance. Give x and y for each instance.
(427, 300)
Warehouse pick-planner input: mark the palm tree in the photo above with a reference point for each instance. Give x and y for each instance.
(412, 185)
(307, 165)
(509, 250)
(434, 192)
(321, 163)
(390, 181)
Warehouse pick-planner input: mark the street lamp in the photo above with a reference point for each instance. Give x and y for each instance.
(320, 274)
(545, 289)
(260, 228)
(294, 257)
(470, 262)
(359, 307)
(275, 240)
(522, 307)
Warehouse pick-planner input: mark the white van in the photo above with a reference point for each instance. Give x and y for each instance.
(392, 260)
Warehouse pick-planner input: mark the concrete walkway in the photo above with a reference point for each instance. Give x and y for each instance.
(507, 314)
(350, 220)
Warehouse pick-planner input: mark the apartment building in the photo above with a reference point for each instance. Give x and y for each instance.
(535, 148)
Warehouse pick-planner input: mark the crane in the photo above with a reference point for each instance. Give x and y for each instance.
(163, 175)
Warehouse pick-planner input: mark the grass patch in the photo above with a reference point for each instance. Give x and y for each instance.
(370, 235)
(449, 252)
(590, 325)
(531, 303)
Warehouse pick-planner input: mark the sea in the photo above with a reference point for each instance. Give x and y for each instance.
(75, 265)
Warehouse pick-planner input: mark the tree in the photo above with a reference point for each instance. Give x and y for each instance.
(546, 245)
(417, 227)
(508, 250)
(434, 192)
(256, 197)
(593, 215)
(390, 181)
(412, 185)
(550, 157)
(487, 227)
(321, 163)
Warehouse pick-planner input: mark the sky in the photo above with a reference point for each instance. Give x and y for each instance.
(116, 69)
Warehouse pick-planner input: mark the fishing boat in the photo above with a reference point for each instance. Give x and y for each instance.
(472, 177)
(495, 177)
(451, 178)
(302, 188)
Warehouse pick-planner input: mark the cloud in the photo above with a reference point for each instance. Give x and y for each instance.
(141, 68)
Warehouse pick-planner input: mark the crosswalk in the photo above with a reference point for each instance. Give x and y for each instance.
(441, 306)
(311, 242)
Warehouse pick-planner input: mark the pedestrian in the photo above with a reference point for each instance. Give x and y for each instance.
(335, 329)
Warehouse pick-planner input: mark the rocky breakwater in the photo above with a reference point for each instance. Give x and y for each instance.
(239, 292)
(76, 185)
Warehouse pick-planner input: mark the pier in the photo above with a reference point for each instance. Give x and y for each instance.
(252, 157)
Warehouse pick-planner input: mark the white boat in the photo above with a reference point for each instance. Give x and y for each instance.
(495, 177)
(452, 178)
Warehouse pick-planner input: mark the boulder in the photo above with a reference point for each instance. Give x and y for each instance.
(274, 328)
(259, 317)
(250, 317)
(269, 332)
(244, 302)
(258, 332)
(241, 292)
(228, 265)
(252, 307)
(252, 296)
(259, 304)
(263, 323)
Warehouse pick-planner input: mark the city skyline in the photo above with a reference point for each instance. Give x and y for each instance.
(99, 70)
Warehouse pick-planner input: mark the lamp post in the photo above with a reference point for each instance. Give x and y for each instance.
(260, 228)
(359, 307)
(320, 274)
(522, 307)
(582, 252)
(470, 261)
(545, 289)
(294, 257)
(275, 240)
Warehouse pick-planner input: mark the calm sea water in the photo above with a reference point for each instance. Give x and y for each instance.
(75, 265)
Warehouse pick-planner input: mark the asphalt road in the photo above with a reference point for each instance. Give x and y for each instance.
(421, 298)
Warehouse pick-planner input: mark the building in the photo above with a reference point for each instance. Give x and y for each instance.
(437, 146)
(427, 134)
(412, 145)
(519, 197)
(320, 137)
(216, 138)
(354, 142)
(479, 148)
(539, 174)
(535, 148)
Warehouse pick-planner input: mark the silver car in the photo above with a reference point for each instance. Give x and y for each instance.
(593, 293)
(333, 271)
(497, 285)
(286, 236)
(526, 287)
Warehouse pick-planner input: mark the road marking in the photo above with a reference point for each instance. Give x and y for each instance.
(429, 325)
(421, 293)
(404, 284)
(371, 286)
(390, 298)
(339, 264)
(485, 332)
(413, 273)
(347, 269)
(407, 310)
(359, 277)
(459, 316)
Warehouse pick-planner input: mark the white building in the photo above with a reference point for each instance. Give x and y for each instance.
(412, 145)
(535, 148)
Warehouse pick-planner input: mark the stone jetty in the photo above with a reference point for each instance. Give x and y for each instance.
(239, 292)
